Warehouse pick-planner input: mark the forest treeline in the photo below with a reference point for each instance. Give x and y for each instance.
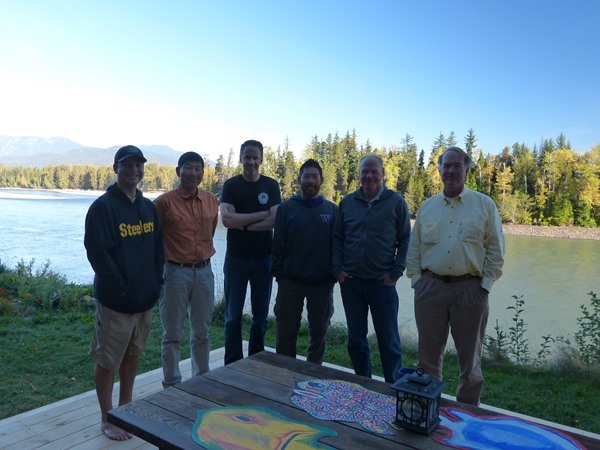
(549, 184)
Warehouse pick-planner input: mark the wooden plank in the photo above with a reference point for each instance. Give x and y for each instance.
(311, 370)
(15, 430)
(291, 365)
(100, 442)
(62, 419)
(154, 424)
(209, 393)
(38, 427)
(78, 428)
(280, 392)
(17, 433)
(151, 419)
(306, 368)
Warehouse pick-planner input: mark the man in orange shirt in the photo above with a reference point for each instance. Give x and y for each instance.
(188, 216)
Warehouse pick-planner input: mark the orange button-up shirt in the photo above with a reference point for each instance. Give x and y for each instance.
(189, 223)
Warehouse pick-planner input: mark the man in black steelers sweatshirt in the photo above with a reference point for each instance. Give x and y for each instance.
(124, 245)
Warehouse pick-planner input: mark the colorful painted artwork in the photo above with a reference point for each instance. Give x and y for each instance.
(347, 402)
(253, 427)
(468, 431)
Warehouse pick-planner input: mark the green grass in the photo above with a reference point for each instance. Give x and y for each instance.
(44, 358)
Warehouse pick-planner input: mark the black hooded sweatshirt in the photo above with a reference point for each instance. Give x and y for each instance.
(124, 245)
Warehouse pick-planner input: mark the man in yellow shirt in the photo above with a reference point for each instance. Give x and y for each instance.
(188, 216)
(455, 255)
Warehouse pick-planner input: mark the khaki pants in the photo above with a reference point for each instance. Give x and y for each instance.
(462, 309)
(190, 291)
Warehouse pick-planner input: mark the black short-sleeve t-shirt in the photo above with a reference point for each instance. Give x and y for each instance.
(249, 197)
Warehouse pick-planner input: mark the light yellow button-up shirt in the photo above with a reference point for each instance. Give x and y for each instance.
(457, 236)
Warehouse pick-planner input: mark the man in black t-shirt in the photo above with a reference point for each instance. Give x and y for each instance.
(248, 206)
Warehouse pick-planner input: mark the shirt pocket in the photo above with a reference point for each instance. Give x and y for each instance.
(430, 233)
(471, 231)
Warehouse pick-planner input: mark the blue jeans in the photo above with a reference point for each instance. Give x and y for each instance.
(237, 273)
(358, 296)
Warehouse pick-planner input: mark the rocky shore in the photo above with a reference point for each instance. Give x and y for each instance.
(565, 232)
(552, 232)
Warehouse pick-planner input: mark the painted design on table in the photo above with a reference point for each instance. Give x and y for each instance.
(468, 431)
(253, 427)
(347, 402)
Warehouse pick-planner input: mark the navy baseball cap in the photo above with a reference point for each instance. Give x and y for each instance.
(129, 151)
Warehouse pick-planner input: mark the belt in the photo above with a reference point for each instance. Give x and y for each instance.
(194, 265)
(451, 278)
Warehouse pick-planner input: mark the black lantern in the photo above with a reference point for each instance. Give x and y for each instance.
(418, 401)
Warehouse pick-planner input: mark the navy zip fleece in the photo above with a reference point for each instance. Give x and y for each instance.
(124, 245)
(371, 239)
(302, 240)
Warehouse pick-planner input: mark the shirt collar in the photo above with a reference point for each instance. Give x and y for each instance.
(185, 195)
(377, 196)
(458, 199)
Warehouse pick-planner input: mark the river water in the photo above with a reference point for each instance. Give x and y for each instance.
(553, 275)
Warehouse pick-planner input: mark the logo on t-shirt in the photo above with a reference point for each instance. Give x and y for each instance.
(263, 198)
(325, 217)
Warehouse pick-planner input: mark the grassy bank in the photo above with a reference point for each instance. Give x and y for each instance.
(46, 325)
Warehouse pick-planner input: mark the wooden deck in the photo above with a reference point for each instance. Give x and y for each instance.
(74, 423)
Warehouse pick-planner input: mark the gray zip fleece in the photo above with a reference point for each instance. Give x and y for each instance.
(371, 239)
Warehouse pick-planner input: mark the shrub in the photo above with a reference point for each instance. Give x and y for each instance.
(42, 289)
(588, 335)
(518, 344)
(6, 306)
(513, 345)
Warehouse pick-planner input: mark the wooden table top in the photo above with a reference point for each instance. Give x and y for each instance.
(166, 418)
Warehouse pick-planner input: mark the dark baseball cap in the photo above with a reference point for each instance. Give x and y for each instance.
(129, 151)
(190, 157)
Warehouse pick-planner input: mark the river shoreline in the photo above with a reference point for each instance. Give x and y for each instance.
(563, 232)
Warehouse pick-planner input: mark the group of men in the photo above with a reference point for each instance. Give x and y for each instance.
(143, 251)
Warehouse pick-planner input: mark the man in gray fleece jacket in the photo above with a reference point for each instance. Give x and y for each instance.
(370, 241)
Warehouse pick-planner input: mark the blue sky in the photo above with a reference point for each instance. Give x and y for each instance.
(206, 75)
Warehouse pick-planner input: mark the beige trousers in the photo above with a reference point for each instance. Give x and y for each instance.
(462, 309)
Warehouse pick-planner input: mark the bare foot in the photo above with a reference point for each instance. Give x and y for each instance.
(115, 433)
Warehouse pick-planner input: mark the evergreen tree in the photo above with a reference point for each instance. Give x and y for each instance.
(504, 179)
(433, 181)
(415, 192)
(470, 140)
(287, 172)
(473, 180)
(550, 184)
(561, 210)
(407, 163)
(451, 141)
(270, 164)
(525, 169)
(563, 142)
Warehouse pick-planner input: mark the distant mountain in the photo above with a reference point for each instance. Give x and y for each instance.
(31, 145)
(31, 151)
